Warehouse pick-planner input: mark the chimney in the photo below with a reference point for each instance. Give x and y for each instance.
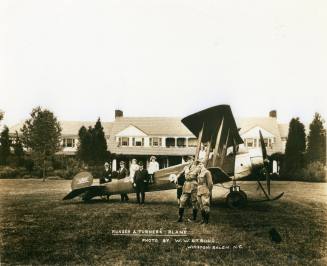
(273, 114)
(118, 113)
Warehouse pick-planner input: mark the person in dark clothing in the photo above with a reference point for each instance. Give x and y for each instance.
(106, 174)
(141, 178)
(179, 184)
(123, 173)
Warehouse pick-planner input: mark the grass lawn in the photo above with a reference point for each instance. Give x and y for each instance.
(37, 227)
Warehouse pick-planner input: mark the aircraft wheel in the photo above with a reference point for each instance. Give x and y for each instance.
(236, 199)
(244, 195)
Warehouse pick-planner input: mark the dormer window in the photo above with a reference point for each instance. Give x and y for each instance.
(124, 141)
(138, 141)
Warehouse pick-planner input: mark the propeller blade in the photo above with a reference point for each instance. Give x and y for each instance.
(264, 157)
(263, 146)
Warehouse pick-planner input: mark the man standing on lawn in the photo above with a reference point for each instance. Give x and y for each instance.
(205, 186)
(123, 173)
(141, 178)
(189, 189)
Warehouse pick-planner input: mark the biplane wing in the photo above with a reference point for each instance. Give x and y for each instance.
(217, 128)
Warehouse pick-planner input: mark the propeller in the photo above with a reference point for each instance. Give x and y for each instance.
(265, 161)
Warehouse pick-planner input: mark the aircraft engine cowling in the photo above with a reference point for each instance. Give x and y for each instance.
(82, 180)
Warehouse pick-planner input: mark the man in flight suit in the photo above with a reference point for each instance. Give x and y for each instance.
(205, 186)
(189, 189)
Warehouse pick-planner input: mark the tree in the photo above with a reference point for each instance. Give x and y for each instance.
(99, 143)
(41, 135)
(295, 148)
(92, 146)
(316, 151)
(18, 150)
(5, 145)
(84, 146)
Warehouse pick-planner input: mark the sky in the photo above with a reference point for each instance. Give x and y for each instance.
(84, 59)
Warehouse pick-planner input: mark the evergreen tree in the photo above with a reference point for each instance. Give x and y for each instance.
(99, 143)
(317, 141)
(4, 145)
(92, 148)
(18, 150)
(41, 135)
(295, 148)
(84, 146)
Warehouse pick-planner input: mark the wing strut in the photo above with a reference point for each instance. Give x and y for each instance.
(206, 159)
(224, 151)
(216, 150)
(199, 143)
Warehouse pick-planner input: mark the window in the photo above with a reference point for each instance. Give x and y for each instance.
(181, 142)
(268, 142)
(69, 143)
(155, 142)
(170, 142)
(138, 141)
(192, 142)
(124, 141)
(249, 143)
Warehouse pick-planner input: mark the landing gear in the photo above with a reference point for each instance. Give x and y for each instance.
(236, 198)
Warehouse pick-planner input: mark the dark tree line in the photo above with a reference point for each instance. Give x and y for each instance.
(301, 150)
(317, 141)
(92, 148)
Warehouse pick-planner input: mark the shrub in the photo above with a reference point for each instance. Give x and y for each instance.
(29, 165)
(315, 172)
(96, 171)
(66, 174)
(8, 172)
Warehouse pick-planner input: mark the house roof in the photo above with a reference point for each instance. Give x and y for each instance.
(72, 127)
(69, 128)
(268, 123)
(153, 126)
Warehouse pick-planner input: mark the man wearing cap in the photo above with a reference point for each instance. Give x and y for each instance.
(189, 189)
(205, 186)
(153, 167)
(141, 178)
(122, 173)
(106, 174)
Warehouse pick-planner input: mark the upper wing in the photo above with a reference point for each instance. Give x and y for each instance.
(210, 119)
(215, 125)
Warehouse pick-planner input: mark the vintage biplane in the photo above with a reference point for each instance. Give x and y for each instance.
(215, 128)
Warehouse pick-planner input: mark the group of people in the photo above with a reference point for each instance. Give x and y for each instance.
(138, 175)
(195, 184)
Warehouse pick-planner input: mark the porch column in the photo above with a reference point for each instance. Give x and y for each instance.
(114, 165)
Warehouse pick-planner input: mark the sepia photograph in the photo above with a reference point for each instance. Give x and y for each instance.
(160, 132)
